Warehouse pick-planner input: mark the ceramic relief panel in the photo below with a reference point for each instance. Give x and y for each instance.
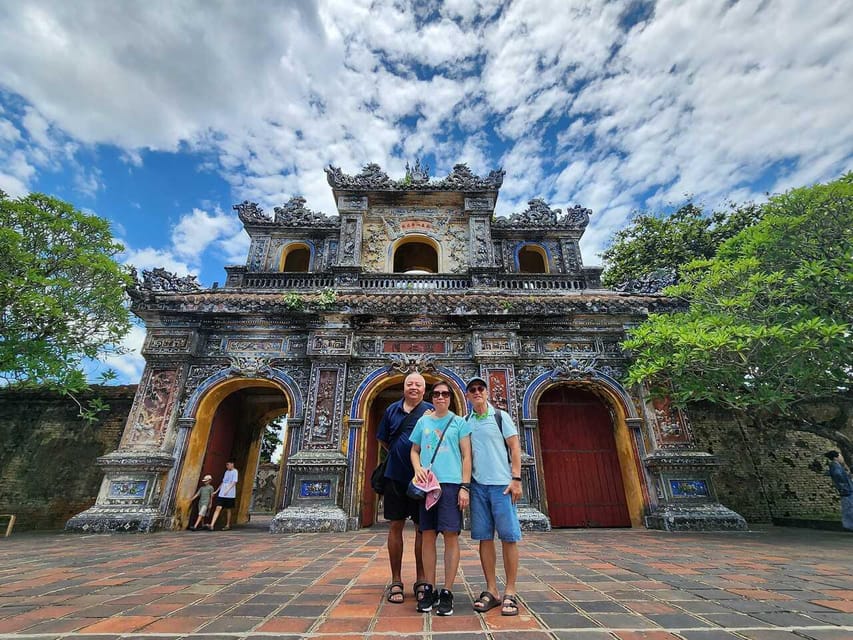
(481, 247)
(502, 389)
(494, 344)
(167, 343)
(669, 424)
(329, 344)
(152, 408)
(254, 344)
(414, 346)
(257, 254)
(351, 242)
(323, 415)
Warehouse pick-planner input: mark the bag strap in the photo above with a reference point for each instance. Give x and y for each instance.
(443, 431)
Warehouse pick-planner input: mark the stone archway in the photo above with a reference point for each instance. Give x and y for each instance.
(628, 441)
(375, 394)
(229, 422)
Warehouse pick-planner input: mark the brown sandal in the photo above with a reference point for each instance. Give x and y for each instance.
(419, 588)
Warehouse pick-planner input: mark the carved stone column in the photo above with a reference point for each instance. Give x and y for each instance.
(316, 473)
(681, 475)
(481, 251)
(134, 474)
(530, 513)
(137, 492)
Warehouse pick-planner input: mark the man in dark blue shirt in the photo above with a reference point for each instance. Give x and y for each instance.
(393, 435)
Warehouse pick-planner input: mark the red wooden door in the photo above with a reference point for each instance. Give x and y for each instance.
(583, 480)
(371, 459)
(370, 502)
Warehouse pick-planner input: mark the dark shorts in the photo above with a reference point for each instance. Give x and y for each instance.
(399, 506)
(225, 503)
(445, 515)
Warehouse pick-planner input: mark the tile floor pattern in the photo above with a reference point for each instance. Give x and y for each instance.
(769, 584)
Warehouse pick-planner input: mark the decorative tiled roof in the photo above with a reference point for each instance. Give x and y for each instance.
(414, 303)
(373, 178)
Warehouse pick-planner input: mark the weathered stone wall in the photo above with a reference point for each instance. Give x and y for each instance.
(766, 480)
(47, 453)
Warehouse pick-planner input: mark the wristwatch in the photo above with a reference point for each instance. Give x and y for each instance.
(516, 478)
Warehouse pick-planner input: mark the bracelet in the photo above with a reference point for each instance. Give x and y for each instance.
(465, 485)
(516, 478)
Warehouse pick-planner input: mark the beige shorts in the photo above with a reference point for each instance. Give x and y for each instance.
(202, 510)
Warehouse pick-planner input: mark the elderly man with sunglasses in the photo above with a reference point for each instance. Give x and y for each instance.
(495, 490)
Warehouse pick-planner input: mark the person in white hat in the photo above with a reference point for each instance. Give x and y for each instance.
(204, 494)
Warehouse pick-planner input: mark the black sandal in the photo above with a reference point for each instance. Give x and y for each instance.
(419, 588)
(509, 602)
(487, 601)
(396, 589)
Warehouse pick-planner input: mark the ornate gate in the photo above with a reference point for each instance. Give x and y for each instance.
(583, 479)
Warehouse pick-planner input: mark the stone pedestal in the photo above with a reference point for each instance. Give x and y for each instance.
(687, 500)
(315, 519)
(316, 482)
(129, 495)
(532, 519)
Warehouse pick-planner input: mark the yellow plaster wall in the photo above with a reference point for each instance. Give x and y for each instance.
(197, 447)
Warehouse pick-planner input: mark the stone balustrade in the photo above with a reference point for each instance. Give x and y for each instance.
(407, 282)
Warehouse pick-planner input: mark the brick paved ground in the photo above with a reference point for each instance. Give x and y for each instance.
(770, 584)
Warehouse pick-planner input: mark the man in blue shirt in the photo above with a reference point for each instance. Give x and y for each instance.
(393, 435)
(495, 490)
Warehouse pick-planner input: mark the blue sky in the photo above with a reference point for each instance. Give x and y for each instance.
(161, 115)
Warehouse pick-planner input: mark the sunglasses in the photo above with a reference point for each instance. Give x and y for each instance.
(476, 389)
(440, 394)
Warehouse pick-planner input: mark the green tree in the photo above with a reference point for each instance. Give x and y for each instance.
(271, 440)
(62, 293)
(653, 243)
(767, 334)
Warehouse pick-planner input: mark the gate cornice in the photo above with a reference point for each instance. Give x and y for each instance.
(375, 377)
(591, 378)
(272, 374)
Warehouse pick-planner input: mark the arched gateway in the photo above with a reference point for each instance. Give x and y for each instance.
(328, 315)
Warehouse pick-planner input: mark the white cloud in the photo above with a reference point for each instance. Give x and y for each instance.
(197, 230)
(150, 258)
(130, 365)
(578, 106)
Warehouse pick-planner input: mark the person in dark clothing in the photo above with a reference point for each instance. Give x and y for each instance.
(393, 435)
(840, 474)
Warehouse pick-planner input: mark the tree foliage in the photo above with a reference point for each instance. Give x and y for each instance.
(62, 293)
(767, 334)
(271, 440)
(652, 243)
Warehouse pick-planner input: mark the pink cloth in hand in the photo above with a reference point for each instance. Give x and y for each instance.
(432, 488)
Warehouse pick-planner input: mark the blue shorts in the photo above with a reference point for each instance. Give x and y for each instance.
(492, 509)
(445, 515)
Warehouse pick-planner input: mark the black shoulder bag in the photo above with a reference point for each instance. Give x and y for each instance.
(377, 478)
